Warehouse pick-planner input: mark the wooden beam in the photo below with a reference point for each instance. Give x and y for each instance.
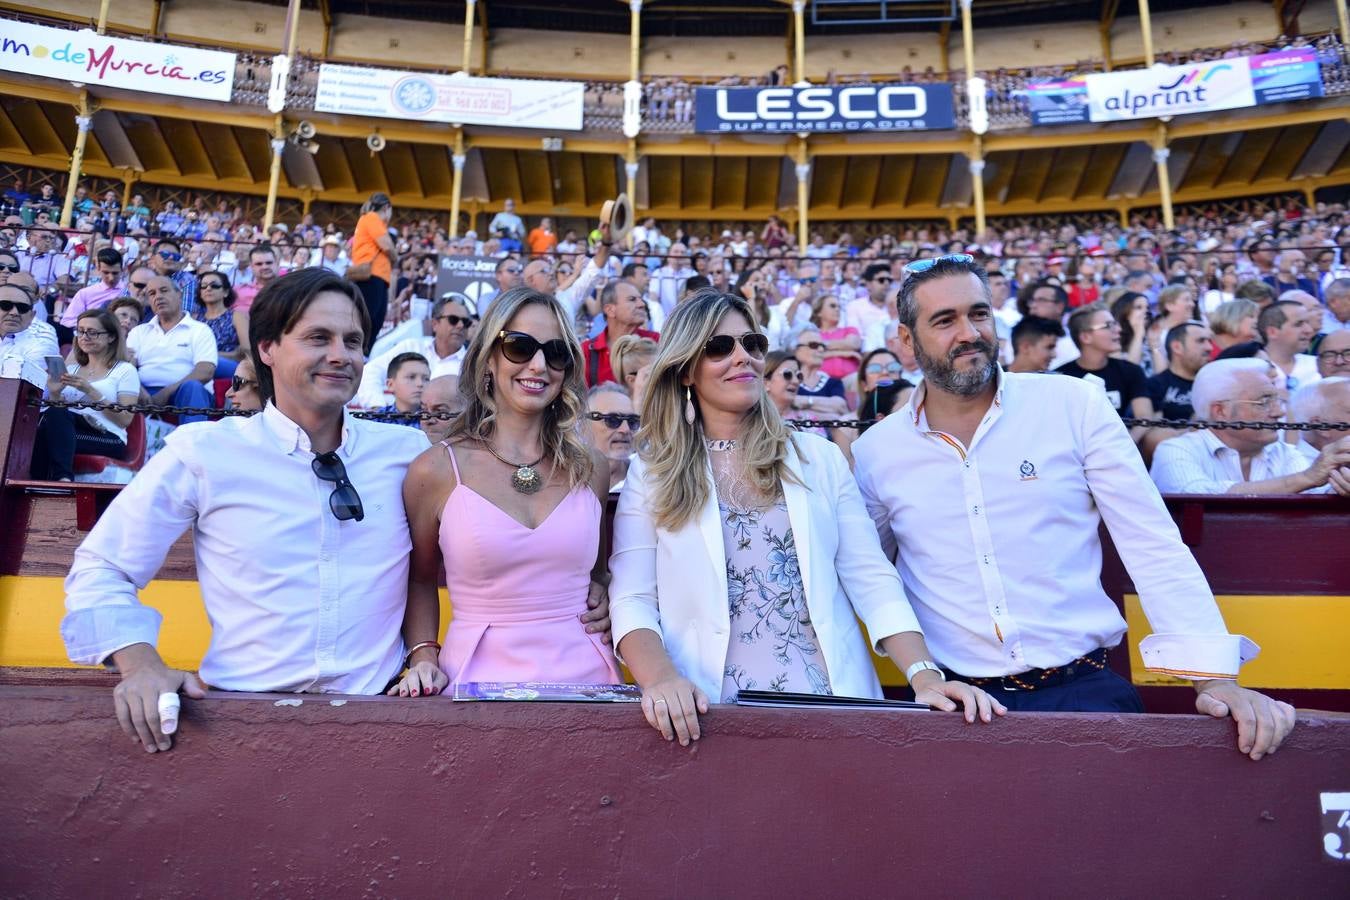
(326, 12)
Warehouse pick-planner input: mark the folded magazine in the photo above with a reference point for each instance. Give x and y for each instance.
(548, 692)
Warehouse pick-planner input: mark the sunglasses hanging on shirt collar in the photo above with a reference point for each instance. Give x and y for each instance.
(345, 502)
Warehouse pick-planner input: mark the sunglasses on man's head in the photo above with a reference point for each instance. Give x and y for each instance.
(520, 348)
(614, 420)
(344, 501)
(923, 265)
(11, 305)
(720, 346)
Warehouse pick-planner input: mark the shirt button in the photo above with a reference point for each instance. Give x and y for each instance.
(986, 560)
(976, 510)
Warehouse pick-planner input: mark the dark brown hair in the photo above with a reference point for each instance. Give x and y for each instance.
(108, 322)
(279, 306)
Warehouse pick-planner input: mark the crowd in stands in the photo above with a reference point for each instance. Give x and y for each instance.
(1138, 309)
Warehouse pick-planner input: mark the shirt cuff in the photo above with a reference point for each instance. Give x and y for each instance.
(94, 634)
(1197, 656)
(891, 622)
(627, 617)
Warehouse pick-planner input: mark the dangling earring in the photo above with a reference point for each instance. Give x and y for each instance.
(487, 384)
(689, 406)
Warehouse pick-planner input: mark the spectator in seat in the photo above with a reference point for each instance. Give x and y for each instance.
(443, 400)
(625, 314)
(870, 314)
(96, 372)
(44, 260)
(630, 359)
(331, 256)
(506, 276)
(304, 574)
(1333, 355)
(1337, 315)
(218, 310)
(1233, 322)
(1290, 266)
(1246, 461)
(408, 375)
(1049, 301)
(1325, 401)
(819, 393)
(443, 349)
(25, 341)
(1034, 340)
(1012, 589)
(243, 392)
(1189, 347)
(99, 294)
(128, 311)
(174, 353)
(877, 366)
(1256, 291)
(1284, 328)
(167, 260)
(843, 343)
(262, 263)
(611, 423)
(1096, 333)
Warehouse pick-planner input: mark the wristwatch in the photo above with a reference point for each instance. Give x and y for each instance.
(923, 665)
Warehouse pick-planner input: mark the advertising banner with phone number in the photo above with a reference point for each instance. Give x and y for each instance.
(1233, 83)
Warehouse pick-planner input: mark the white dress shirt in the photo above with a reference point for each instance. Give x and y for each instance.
(868, 318)
(372, 392)
(23, 353)
(997, 543)
(298, 601)
(574, 295)
(675, 582)
(1200, 463)
(165, 357)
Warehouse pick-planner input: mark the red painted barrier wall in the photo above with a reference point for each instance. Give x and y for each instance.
(431, 798)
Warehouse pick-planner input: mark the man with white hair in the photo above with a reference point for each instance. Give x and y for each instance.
(1324, 401)
(1244, 461)
(1288, 274)
(1337, 315)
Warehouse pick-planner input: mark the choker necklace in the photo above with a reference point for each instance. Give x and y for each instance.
(719, 446)
(526, 478)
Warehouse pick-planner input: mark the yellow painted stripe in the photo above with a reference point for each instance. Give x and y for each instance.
(1303, 640)
(31, 608)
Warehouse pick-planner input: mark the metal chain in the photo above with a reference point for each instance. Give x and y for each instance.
(391, 416)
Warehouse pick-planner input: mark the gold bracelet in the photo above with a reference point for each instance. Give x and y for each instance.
(407, 660)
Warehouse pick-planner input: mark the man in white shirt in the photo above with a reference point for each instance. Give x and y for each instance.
(443, 350)
(297, 522)
(331, 256)
(1322, 402)
(667, 285)
(25, 342)
(988, 490)
(1337, 314)
(1333, 354)
(174, 354)
(870, 314)
(43, 260)
(541, 274)
(1284, 327)
(1244, 461)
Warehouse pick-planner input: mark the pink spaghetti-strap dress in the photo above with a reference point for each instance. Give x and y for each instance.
(517, 593)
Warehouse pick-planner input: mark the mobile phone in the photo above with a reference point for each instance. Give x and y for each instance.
(56, 367)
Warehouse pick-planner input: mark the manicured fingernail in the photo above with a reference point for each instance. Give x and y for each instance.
(414, 693)
(150, 749)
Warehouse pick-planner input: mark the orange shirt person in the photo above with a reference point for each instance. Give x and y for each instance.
(543, 238)
(371, 246)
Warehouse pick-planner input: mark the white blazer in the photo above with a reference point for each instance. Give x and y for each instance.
(675, 582)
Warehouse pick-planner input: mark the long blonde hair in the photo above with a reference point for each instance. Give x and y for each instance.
(561, 438)
(671, 448)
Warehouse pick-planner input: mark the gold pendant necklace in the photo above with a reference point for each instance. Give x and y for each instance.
(526, 479)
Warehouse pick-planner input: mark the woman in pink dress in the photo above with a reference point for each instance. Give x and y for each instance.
(511, 502)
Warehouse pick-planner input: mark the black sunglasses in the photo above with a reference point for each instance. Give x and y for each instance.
(139, 285)
(238, 384)
(455, 320)
(520, 348)
(11, 305)
(720, 346)
(614, 420)
(814, 345)
(791, 375)
(344, 501)
(8, 267)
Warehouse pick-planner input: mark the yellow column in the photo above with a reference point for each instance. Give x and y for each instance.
(803, 194)
(128, 179)
(1345, 23)
(630, 169)
(1160, 154)
(274, 175)
(968, 38)
(457, 186)
(84, 120)
(1146, 25)
(799, 33)
(977, 184)
(468, 36)
(102, 16)
(635, 40)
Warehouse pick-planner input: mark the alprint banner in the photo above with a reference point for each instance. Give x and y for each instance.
(454, 99)
(86, 57)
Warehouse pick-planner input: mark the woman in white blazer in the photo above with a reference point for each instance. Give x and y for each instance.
(743, 555)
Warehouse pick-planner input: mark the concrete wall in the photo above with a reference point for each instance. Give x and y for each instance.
(713, 56)
(429, 797)
(872, 54)
(559, 52)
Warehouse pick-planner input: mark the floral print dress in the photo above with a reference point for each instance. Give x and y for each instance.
(773, 644)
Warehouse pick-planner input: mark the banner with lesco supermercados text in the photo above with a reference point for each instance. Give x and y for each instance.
(1178, 90)
(457, 99)
(863, 107)
(86, 57)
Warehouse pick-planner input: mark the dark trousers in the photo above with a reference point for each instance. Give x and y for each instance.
(60, 435)
(1098, 691)
(376, 292)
